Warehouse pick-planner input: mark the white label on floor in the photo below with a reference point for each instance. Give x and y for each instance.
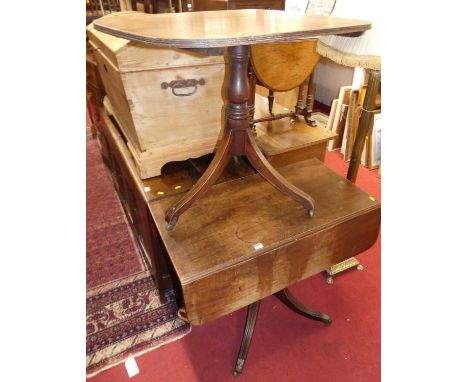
(132, 367)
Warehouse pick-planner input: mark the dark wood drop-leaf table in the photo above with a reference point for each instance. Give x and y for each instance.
(226, 257)
(243, 241)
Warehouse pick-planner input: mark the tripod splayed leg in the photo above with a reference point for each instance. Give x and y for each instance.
(237, 140)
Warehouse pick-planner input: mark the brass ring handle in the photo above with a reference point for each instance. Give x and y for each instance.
(183, 84)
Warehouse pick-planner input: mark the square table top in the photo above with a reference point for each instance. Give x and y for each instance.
(211, 29)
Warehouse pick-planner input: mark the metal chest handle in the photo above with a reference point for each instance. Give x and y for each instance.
(183, 84)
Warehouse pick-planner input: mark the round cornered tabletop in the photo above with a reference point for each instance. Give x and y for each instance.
(213, 29)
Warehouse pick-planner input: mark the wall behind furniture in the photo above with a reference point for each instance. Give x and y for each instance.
(328, 78)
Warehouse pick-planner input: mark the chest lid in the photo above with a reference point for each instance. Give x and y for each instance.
(129, 56)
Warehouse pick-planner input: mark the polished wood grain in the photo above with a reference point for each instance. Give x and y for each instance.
(213, 248)
(282, 67)
(223, 28)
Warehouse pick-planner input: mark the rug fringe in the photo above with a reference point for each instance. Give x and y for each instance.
(348, 59)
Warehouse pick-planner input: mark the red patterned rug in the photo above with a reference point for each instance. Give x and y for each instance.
(124, 313)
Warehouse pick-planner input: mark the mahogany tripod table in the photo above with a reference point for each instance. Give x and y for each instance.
(236, 30)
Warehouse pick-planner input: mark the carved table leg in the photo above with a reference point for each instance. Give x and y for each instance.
(258, 161)
(248, 332)
(291, 302)
(309, 100)
(211, 174)
(287, 298)
(237, 140)
(300, 99)
(271, 99)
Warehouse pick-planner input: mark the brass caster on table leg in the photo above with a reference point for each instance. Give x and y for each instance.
(311, 122)
(239, 367)
(310, 212)
(295, 305)
(254, 129)
(352, 262)
(326, 319)
(170, 226)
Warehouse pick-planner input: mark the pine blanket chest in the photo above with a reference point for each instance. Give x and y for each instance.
(167, 102)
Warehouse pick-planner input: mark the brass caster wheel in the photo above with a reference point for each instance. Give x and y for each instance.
(329, 280)
(170, 226)
(253, 128)
(311, 122)
(239, 367)
(326, 319)
(310, 212)
(359, 267)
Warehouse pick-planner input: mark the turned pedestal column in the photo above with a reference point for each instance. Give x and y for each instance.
(237, 140)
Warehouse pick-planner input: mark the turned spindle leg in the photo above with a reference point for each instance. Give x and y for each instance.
(300, 99)
(271, 99)
(252, 86)
(309, 102)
